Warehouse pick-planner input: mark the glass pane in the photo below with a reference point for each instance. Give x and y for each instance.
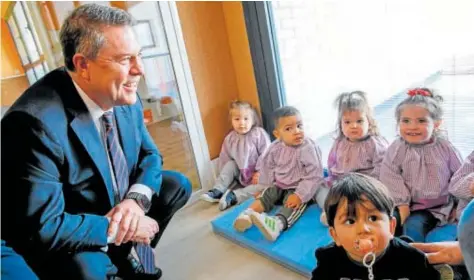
(26, 33)
(332, 46)
(160, 95)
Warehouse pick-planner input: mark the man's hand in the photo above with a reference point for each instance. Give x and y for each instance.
(255, 177)
(146, 230)
(293, 201)
(124, 220)
(404, 213)
(448, 252)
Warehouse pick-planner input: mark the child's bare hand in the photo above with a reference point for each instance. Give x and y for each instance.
(293, 201)
(255, 177)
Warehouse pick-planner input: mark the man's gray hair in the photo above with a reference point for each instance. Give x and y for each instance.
(82, 30)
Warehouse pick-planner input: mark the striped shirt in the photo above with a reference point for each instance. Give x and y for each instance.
(363, 156)
(293, 167)
(245, 150)
(462, 182)
(419, 175)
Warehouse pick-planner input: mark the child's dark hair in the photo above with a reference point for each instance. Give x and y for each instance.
(285, 111)
(425, 98)
(357, 188)
(354, 101)
(244, 105)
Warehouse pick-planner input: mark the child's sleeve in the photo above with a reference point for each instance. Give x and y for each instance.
(312, 176)
(455, 158)
(391, 175)
(224, 156)
(332, 158)
(463, 179)
(262, 145)
(323, 269)
(381, 145)
(266, 167)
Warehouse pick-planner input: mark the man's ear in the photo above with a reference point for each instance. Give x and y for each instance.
(332, 232)
(81, 66)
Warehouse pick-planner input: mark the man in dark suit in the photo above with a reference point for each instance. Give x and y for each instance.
(83, 191)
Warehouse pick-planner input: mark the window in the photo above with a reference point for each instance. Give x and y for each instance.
(326, 47)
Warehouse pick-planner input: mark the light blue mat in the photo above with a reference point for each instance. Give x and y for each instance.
(294, 248)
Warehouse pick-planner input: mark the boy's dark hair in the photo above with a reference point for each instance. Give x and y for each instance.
(285, 111)
(357, 188)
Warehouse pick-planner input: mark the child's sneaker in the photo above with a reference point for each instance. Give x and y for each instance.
(268, 225)
(445, 271)
(212, 195)
(243, 221)
(227, 200)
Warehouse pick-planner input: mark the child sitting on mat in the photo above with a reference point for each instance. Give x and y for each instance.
(360, 215)
(359, 147)
(241, 150)
(418, 166)
(462, 184)
(292, 169)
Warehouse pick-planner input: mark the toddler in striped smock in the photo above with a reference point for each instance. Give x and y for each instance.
(292, 169)
(358, 147)
(462, 184)
(240, 153)
(418, 166)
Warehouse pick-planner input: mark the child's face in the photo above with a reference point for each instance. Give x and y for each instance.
(369, 223)
(355, 125)
(416, 125)
(242, 120)
(290, 130)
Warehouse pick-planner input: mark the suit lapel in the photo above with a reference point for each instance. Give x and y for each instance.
(126, 130)
(87, 133)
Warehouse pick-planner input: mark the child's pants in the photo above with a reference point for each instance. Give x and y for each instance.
(320, 196)
(228, 178)
(417, 225)
(273, 195)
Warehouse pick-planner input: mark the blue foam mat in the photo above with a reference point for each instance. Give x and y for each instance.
(293, 249)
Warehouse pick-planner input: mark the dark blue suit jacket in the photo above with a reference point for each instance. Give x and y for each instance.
(56, 182)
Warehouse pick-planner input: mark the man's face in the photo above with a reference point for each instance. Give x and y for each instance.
(113, 76)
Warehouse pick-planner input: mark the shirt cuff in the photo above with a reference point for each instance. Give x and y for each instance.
(141, 189)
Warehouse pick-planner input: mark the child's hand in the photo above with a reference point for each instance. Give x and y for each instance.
(255, 177)
(404, 213)
(293, 201)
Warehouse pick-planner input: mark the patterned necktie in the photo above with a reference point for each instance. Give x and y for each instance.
(119, 165)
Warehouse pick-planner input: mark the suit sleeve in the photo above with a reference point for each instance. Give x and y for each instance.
(150, 161)
(33, 191)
